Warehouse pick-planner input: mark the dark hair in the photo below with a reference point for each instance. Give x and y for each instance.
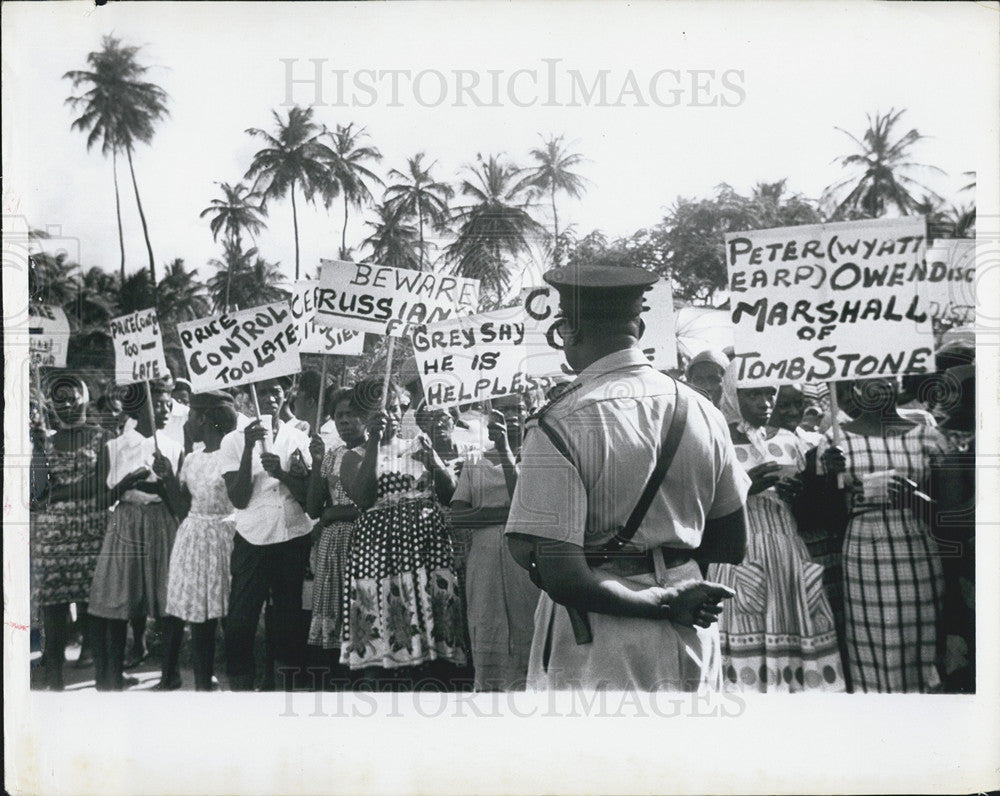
(366, 397)
(309, 385)
(424, 413)
(334, 396)
(221, 418)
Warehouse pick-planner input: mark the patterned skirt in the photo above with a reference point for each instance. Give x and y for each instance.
(332, 552)
(893, 587)
(66, 539)
(132, 570)
(778, 633)
(198, 584)
(403, 607)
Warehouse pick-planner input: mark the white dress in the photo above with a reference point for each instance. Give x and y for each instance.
(198, 586)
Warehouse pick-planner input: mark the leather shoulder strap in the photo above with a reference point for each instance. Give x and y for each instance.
(670, 444)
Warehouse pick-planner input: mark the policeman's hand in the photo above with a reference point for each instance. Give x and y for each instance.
(763, 476)
(697, 602)
(162, 467)
(833, 461)
(271, 464)
(254, 433)
(496, 429)
(317, 449)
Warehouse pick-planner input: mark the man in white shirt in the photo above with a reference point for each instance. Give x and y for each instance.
(271, 547)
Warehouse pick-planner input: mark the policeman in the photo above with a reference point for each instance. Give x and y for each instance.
(629, 486)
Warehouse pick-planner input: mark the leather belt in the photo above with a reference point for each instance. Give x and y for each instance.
(627, 563)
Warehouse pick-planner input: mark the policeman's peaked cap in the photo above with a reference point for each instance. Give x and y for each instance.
(592, 292)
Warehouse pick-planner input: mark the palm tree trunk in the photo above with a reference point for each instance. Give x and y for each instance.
(343, 233)
(295, 223)
(555, 227)
(420, 220)
(145, 228)
(118, 211)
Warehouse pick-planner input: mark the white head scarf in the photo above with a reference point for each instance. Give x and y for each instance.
(730, 408)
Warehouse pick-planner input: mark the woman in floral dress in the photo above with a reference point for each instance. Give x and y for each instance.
(198, 584)
(778, 634)
(68, 517)
(403, 607)
(327, 501)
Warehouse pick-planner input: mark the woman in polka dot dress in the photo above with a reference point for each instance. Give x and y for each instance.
(403, 608)
(778, 633)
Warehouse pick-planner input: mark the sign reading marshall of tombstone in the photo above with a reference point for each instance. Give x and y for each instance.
(315, 339)
(829, 302)
(472, 358)
(950, 287)
(389, 301)
(138, 347)
(545, 356)
(48, 335)
(242, 347)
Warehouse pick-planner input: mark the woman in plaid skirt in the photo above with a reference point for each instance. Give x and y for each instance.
(327, 501)
(893, 582)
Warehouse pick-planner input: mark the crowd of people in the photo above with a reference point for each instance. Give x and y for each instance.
(380, 537)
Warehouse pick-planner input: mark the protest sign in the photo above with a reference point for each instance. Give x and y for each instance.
(950, 288)
(242, 347)
(315, 339)
(472, 358)
(829, 302)
(48, 335)
(138, 347)
(389, 301)
(545, 357)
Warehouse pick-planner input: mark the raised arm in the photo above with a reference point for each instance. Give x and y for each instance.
(239, 483)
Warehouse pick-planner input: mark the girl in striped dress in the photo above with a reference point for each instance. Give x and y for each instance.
(778, 634)
(893, 582)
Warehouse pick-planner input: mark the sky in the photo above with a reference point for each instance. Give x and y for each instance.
(783, 76)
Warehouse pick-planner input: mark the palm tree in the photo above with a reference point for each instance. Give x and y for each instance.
(393, 242)
(882, 166)
(234, 213)
(136, 292)
(553, 174)
(52, 279)
(245, 279)
(183, 296)
(295, 157)
(418, 195)
(96, 300)
(348, 174)
(120, 109)
(496, 225)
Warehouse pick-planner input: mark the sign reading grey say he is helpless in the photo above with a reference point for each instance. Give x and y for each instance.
(472, 358)
(241, 347)
(829, 302)
(315, 339)
(48, 335)
(950, 288)
(389, 301)
(138, 347)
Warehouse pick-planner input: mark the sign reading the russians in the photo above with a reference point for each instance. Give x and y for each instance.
(829, 302)
(389, 301)
(241, 347)
(138, 347)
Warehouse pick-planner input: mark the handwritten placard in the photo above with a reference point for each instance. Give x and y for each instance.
(950, 288)
(48, 335)
(829, 302)
(472, 358)
(545, 356)
(138, 347)
(315, 339)
(241, 347)
(389, 301)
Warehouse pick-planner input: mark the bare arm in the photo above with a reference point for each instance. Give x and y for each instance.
(723, 541)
